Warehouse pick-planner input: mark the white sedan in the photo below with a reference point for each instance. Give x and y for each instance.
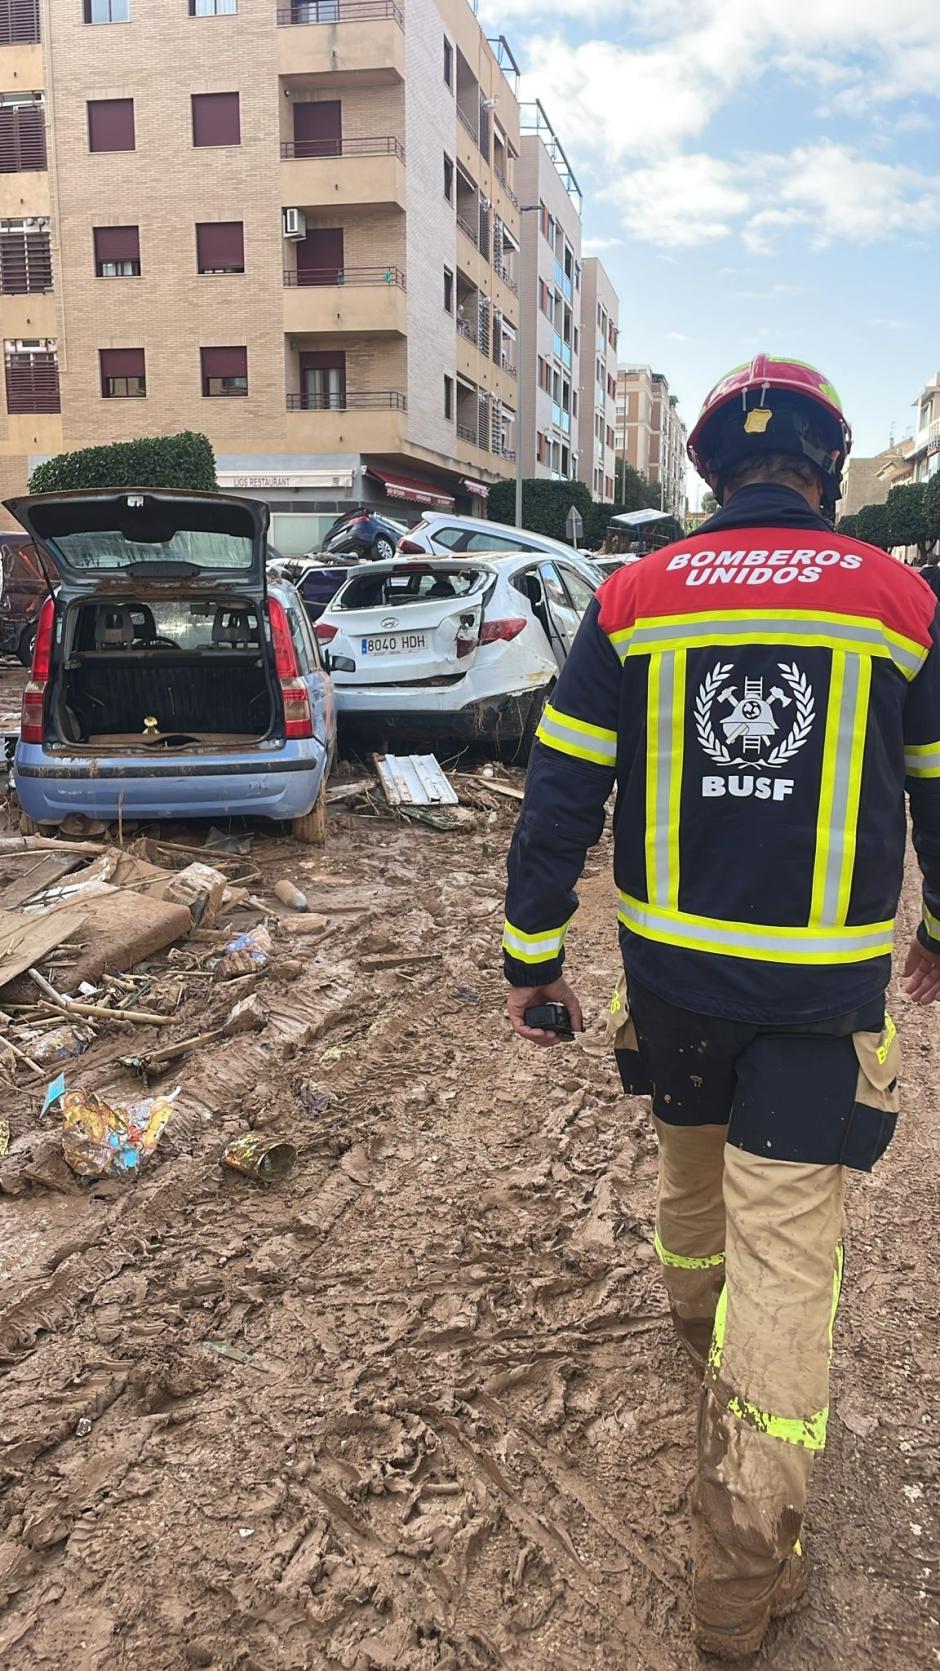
(465, 650)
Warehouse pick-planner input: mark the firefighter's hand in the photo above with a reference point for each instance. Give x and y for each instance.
(922, 974)
(522, 998)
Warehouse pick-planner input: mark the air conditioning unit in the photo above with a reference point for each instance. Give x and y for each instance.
(295, 225)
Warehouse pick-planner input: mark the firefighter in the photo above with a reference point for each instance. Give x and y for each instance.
(760, 694)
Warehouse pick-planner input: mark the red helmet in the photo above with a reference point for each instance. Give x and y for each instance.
(800, 412)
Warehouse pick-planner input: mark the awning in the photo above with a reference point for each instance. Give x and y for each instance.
(481, 489)
(419, 493)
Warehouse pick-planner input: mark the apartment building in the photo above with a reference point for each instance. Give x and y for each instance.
(650, 434)
(924, 454)
(292, 226)
(551, 301)
(597, 413)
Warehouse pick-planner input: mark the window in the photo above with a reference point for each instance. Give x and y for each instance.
(19, 21)
(107, 11)
(32, 377)
(579, 591)
(123, 374)
(448, 179)
(111, 125)
(117, 251)
(220, 246)
(212, 8)
(448, 290)
(449, 398)
(216, 119)
(323, 381)
(224, 371)
(25, 257)
(448, 63)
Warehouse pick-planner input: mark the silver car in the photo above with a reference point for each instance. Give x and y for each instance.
(452, 536)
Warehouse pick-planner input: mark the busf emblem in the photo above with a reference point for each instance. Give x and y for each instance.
(754, 720)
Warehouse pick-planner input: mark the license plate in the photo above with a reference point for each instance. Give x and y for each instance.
(394, 644)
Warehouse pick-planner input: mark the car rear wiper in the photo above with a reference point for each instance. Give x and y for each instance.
(160, 569)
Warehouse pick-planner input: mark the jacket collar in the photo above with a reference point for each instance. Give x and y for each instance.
(765, 505)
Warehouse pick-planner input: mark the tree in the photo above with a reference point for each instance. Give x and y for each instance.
(632, 491)
(184, 461)
(932, 508)
(848, 525)
(709, 502)
(907, 518)
(545, 505)
(871, 525)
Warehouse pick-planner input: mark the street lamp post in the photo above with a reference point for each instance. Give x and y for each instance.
(524, 209)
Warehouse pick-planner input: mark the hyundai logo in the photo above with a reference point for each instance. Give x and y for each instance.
(390, 621)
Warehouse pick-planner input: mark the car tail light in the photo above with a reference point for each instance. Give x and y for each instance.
(325, 631)
(493, 632)
(33, 716)
(410, 548)
(298, 720)
(467, 639)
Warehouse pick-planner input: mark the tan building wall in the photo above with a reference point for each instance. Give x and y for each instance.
(650, 434)
(597, 417)
(551, 244)
(397, 336)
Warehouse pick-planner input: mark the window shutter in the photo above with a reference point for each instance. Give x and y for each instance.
(19, 21)
(22, 138)
(216, 119)
(224, 362)
(25, 262)
(122, 362)
(220, 246)
(32, 381)
(117, 243)
(111, 124)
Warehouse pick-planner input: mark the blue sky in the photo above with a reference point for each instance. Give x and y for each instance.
(757, 175)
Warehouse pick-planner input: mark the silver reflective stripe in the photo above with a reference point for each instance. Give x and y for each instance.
(760, 940)
(534, 948)
(931, 924)
(922, 760)
(853, 634)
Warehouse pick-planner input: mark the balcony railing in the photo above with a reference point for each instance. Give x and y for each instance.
(508, 452)
(472, 128)
(384, 146)
(503, 273)
(350, 400)
(508, 369)
(468, 231)
(507, 188)
(467, 433)
(466, 329)
(340, 11)
(301, 277)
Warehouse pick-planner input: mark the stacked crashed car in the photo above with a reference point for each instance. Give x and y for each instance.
(364, 533)
(467, 649)
(169, 679)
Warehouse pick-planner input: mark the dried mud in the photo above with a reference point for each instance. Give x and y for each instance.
(418, 1406)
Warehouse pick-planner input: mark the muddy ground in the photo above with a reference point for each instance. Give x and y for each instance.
(418, 1406)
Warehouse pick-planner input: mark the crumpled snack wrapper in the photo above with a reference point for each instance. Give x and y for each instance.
(247, 954)
(98, 1139)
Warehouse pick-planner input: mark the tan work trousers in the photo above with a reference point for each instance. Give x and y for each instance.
(752, 1260)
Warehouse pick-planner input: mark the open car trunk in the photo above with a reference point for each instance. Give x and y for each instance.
(162, 675)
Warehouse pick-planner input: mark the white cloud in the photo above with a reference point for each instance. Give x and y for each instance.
(596, 246)
(681, 200)
(677, 336)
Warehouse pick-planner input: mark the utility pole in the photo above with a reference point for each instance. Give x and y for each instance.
(524, 209)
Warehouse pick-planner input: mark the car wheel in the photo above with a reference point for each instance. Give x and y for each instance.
(517, 753)
(24, 648)
(383, 549)
(311, 828)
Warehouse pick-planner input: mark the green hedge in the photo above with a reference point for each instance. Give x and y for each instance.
(185, 461)
(545, 505)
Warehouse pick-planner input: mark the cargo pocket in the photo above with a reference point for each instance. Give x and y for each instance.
(874, 1114)
(621, 1037)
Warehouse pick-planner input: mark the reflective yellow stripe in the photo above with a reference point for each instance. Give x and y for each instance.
(705, 1263)
(862, 634)
(577, 738)
(665, 721)
(765, 942)
(534, 948)
(922, 759)
(837, 818)
(808, 1431)
(931, 924)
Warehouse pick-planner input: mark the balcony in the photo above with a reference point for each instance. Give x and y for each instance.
(356, 301)
(502, 272)
(365, 421)
(469, 231)
(344, 173)
(361, 38)
(504, 183)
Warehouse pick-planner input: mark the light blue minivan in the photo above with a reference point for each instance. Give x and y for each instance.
(169, 680)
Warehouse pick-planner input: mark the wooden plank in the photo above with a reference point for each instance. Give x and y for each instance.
(39, 877)
(27, 940)
(414, 780)
(506, 789)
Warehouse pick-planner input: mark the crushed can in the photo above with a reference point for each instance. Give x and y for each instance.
(264, 1158)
